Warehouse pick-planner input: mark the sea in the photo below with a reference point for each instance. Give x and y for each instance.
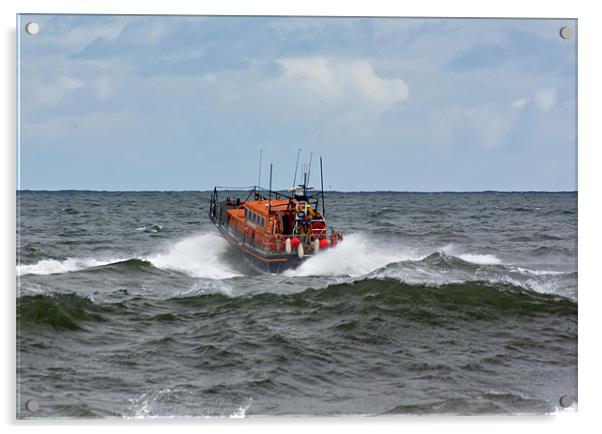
(131, 305)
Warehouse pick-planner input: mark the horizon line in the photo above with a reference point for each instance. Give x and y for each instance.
(280, 190)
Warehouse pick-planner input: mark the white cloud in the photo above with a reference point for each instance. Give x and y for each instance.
(78, 37)
(347, 81)
(546, 98)
(520, 102)
(52, 93)
(487, 125)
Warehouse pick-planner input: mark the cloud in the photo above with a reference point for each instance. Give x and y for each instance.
(478, 57)
(345, 81)
(520, 102)
(68, 34)
(184, 91)
(53, 93)
(546, 98)
(483, 126)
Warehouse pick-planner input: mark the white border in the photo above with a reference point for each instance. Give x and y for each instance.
(588, 184)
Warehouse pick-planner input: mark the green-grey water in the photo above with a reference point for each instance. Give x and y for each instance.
(131, 305)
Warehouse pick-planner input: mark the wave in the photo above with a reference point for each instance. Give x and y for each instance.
(367, 298)
(206, 257)
(134, 264)
(440, 269)
(418, 302)
(480, 259)
(483, 259)
(356, 256)
(59, 311)
(203, 256)
(54, 266)
(199, 256)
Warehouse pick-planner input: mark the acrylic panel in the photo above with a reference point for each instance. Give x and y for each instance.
(230, 216)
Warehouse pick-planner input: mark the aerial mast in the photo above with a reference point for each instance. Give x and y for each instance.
(270, 200)
(305, 183)
(311, 154)
(322, 182)
(296, 166)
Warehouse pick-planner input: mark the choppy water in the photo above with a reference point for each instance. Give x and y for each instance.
(131, 305)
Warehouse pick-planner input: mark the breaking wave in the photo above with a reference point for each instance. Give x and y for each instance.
(483, 259)
(205, 257)
(53, 266)
(199, 256)
(355, 256)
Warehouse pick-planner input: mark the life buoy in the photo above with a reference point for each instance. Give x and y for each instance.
(287, 246)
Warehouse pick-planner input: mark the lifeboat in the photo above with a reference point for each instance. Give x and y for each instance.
(273, 231)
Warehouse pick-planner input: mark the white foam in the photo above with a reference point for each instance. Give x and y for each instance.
(355, 256)
(53, 266)
(198, 256)
(242, 411)
(452, 250)
(539, 272)
(145, 405)
(208, 286)
(480, 259)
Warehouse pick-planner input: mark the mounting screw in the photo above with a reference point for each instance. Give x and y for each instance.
(567, 400)
(32, 405)
(566, 32)
(32, 28)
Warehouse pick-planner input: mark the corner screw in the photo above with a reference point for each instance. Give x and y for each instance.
(32, 405)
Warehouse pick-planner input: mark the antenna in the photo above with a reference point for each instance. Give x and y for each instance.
(270, 200)
(259, 177)
(311, 154)
(296, 165)
(322, 182)
(304, 183)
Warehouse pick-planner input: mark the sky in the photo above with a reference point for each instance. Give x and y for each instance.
(186, 103)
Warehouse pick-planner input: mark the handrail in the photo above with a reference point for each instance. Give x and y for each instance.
(220, 187)
(255, 188)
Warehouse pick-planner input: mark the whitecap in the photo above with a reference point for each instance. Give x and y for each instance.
(355, 256)
(53, 266)
(199, 256)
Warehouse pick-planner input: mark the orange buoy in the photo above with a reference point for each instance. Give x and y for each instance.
(323, 243)
(295, 241)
